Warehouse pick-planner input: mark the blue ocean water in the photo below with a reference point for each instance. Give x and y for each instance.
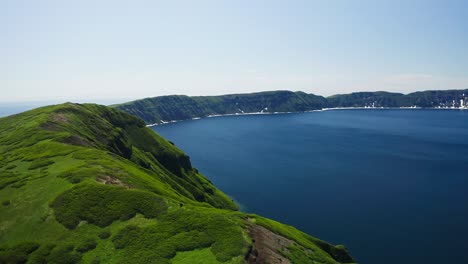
(7, 109)
(391, 185)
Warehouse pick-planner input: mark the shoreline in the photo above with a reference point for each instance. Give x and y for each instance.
(310, 111)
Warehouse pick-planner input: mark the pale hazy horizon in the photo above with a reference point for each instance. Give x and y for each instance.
(117, 51)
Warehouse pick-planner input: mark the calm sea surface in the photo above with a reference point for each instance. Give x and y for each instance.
(392, 185)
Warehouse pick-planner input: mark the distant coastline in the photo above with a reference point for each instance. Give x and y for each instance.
(318, 110)
(170, 108)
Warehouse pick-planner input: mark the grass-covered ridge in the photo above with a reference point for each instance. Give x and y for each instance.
(181, 107)
(91, 184)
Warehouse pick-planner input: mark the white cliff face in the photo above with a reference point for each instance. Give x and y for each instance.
(461, 103)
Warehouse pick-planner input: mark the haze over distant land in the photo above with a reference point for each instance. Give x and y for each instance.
(63, 50)
(9, 108)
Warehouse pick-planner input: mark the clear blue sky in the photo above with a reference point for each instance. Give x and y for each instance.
(117, 50)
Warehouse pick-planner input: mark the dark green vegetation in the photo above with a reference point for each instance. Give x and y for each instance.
(92, 184)
(184, 230)
(103, 204)
(180, 107)
(426, 99)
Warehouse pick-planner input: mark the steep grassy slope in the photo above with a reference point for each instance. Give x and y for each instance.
(91, 184)
(180, 107)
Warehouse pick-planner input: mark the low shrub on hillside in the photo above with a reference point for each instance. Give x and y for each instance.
(52, 253)
(40, 163)
(7, 178)
(102, 204)
(104, 234)
(63, 254)
(183, 231)
(18, 184)
(18, 253)
(86, 245)
(77, 175)
(10, 167)
(41, 255)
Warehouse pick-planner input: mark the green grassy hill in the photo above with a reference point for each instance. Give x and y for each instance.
(91, 184)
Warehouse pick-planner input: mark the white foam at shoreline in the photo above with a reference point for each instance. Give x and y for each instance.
(309, 111)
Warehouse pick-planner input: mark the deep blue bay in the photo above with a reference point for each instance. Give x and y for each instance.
(391, 185)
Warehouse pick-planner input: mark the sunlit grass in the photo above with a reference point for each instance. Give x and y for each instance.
(90, 184)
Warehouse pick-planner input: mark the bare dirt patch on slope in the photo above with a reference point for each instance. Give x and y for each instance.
(111, 180)
(267, 246)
